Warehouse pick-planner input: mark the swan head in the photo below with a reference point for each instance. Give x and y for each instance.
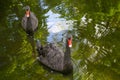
(69, 41)
(27, 11)
(27, 8)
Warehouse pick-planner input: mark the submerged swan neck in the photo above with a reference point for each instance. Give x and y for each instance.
(38, 44)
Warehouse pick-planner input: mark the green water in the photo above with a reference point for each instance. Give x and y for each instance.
(96, 39)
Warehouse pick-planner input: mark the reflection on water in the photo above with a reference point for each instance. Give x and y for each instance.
(11, 18)
(57, 27)
(95, 29)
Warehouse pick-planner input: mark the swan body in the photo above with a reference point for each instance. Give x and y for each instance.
(29, 21)
(55, 58)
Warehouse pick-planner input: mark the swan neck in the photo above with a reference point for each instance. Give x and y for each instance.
(67, 58)
(67, 52)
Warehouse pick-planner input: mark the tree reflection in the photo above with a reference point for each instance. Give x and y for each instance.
(96, 25)
(96, 39)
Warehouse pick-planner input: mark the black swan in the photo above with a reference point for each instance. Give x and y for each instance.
(54, 57)
(29, 21)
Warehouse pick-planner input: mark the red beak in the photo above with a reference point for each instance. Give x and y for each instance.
(70, 42)
(28, 13)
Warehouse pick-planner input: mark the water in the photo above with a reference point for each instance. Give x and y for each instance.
(57, 27)
(94, 26)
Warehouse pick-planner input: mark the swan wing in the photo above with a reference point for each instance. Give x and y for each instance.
(34, 21)
(53, 59)
(24, 21)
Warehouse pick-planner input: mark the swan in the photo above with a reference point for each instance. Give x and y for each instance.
(55, 58)
(29, 21)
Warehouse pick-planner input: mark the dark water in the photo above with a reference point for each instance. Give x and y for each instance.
(95, 26)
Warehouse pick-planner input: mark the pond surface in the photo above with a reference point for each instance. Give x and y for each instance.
(95, 26)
